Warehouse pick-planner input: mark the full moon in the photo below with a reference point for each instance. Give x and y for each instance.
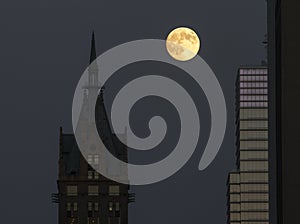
(183, 44)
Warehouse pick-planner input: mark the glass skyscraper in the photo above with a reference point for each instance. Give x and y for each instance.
(248, 186)
(284, 119)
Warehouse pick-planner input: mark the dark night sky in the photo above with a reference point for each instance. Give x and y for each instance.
(44, 50)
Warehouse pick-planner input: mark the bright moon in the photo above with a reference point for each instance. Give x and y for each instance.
(183, 44)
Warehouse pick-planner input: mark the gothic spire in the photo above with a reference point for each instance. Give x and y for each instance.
(93, 81)
(93, 49)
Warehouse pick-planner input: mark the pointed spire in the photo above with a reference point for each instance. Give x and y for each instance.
(93, 49)
(93, 80)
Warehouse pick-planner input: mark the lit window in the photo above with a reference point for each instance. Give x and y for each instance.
(90, 159)
(75, 206)
(234, 216)
(234, 188)
(96, 159)
(90, 206)
(96, 175)
(235, 198)
(110, 206)
(72, 206)
(117, 206)
(72, 190)
(114, 190)
(93, 190)
(68, 206)
(96, 206)
(234, 178)
(90, 174)
(235, 207)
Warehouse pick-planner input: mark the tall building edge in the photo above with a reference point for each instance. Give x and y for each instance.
(274, 104)
(283, 61)
(248, 185)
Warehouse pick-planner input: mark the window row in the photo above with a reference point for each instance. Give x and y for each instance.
(253, 124)
(93, 207)
(253, 113)
(245, 189)
(247, 155)
(93, 220)
(253, 145)
(244, 135)
(253, 84)
(255, 222)
(250, 197)
(253, 71)
(253, 91)
(254, 187)
(254, 166)
(253, 97)
(253, 78)
(254, 177)
(255, 216)
(255, 197)
(255, 206)
(249, 211)
(93, 190)
(253, 104)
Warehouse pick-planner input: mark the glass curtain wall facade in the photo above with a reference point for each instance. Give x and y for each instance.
(284, 119)
(248, 188)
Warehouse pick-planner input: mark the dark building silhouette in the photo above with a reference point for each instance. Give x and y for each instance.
(248, 186)
(284, 83)
(84, 195)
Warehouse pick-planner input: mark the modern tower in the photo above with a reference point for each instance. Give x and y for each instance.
(85, 196)
(248, 186)
(284, 123)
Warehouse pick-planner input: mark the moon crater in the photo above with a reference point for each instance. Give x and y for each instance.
(183, 44)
